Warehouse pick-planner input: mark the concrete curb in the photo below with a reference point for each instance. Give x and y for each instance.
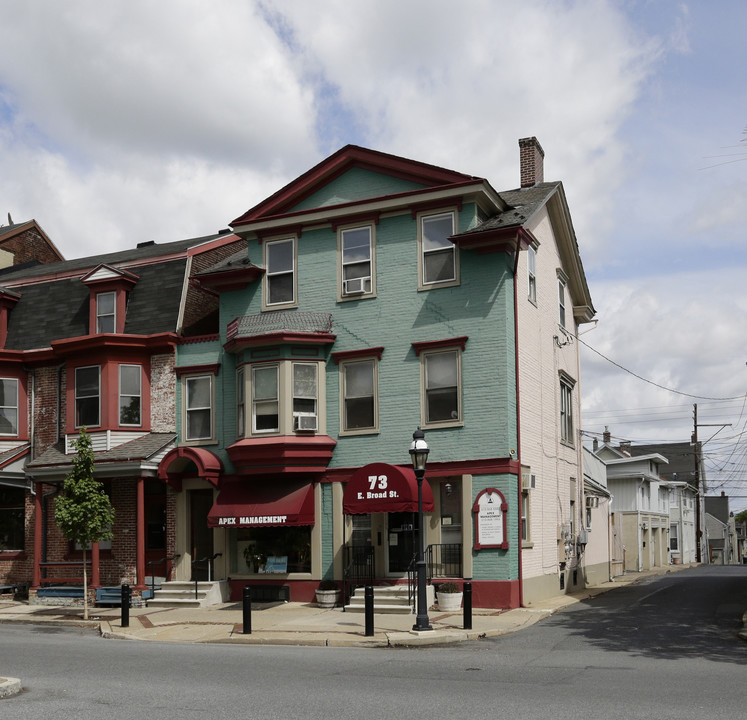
(9, 686)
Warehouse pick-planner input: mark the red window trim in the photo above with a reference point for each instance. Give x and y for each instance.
(355, 354)
(457, 342)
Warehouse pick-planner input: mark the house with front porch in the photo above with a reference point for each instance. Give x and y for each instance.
(640, 506)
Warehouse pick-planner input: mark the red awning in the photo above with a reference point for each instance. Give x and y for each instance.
(379, 487)
(243, 505)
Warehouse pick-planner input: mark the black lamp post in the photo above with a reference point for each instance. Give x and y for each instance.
(419, 455)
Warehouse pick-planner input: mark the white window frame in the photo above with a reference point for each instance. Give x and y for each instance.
(266, 400)
(286, 412)
(532, 274)
(562, 315)
(100, 315)
(139, 395)
(525, 514)
(271, 274)
(11, 408)
(80, 397)
(425, 357)
(199, 408)
(240, 402)
(298, 414)
(423, 219)
(566, 411)
(368, 288)
(674, 538)
(345, 397)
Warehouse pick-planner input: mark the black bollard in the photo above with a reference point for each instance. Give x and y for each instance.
(125, 605)
(246, 600)
(467, 591)
(369, 600)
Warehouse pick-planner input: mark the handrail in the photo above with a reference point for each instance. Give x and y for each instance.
(158, 562)
(412, 582)
(209, 559)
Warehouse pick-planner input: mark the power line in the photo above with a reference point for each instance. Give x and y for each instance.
(651, 382)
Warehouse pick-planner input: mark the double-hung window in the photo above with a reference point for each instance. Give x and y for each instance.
(441, 376)
(106, 312)
(566, 410)
(8, 406)
(199, 407)
(265, 399)
(356, 253)
(438, 254)
(130, 394)
(532, 274)
(280, 274)
(304, 396)
(359, 401)
(88, 396)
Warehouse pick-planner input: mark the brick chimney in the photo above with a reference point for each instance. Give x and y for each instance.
(606, 436)
(532, 161)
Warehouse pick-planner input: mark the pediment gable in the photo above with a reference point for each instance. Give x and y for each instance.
(337, 181)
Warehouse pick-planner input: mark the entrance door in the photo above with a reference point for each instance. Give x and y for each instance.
(402, 538)
(155, 528)
(201, 536)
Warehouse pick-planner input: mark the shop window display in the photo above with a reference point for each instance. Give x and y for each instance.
(271, 550)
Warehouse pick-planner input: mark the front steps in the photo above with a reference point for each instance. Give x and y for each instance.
(178, 593)
(390, 599)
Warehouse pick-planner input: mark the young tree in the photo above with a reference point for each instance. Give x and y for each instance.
(84, 512)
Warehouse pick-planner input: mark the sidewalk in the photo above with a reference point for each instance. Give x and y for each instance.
(302, 623)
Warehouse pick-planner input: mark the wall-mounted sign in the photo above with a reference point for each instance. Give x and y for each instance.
(490, 510)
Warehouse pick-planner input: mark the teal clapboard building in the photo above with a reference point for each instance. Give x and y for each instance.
(375, 295)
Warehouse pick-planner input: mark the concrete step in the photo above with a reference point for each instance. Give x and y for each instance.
(391, 599)
(180, 593)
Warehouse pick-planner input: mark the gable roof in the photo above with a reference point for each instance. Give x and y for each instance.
(13, 230)
(348, 157)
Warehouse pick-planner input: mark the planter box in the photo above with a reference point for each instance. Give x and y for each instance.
(327, 598)
(449, 601)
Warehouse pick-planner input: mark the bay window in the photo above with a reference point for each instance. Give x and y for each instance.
(8, 406)
(130, 394)
(88, 396)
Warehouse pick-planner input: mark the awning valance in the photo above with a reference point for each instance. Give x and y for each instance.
(380, 487)
(242, 505)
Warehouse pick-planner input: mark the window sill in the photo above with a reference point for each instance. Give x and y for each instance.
(436, 286)
(198, 443)
(355, 433)
(527, 544)
(449, 424)
(12, 555)
(350, 298)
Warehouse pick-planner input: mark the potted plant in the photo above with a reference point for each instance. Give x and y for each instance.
(327, 593)
(449, 596)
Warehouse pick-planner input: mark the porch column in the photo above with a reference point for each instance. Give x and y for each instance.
(140, 536)
(37, 533)
(95, 567)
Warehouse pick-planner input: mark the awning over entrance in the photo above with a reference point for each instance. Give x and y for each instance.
(380, 487)
(242, 505)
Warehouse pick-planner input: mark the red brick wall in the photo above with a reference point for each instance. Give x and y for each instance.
(29, 245)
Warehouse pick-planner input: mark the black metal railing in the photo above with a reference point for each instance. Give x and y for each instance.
(444, 561)
(412, 581)
(208, 560)
(358, 570)
(152, 564)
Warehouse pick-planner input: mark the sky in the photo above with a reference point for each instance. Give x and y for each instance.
(134, 120)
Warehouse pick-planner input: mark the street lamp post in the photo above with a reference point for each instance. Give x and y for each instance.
(419, 454)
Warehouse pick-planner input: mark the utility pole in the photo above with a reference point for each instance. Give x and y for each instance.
(697, 453)
(698, 531)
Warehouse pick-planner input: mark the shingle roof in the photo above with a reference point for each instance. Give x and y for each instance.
(523, 203)
(59, 309)
(136, 450)
(264, 323)
(131, 255)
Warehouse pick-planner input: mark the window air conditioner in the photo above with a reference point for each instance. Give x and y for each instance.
(592, 501)
(528, 482)
(356, 286)
(304, 422)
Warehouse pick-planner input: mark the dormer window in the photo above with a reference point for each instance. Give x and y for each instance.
(108, 305)
(106, 312)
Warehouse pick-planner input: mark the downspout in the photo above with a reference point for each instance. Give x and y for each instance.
(518, 420)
